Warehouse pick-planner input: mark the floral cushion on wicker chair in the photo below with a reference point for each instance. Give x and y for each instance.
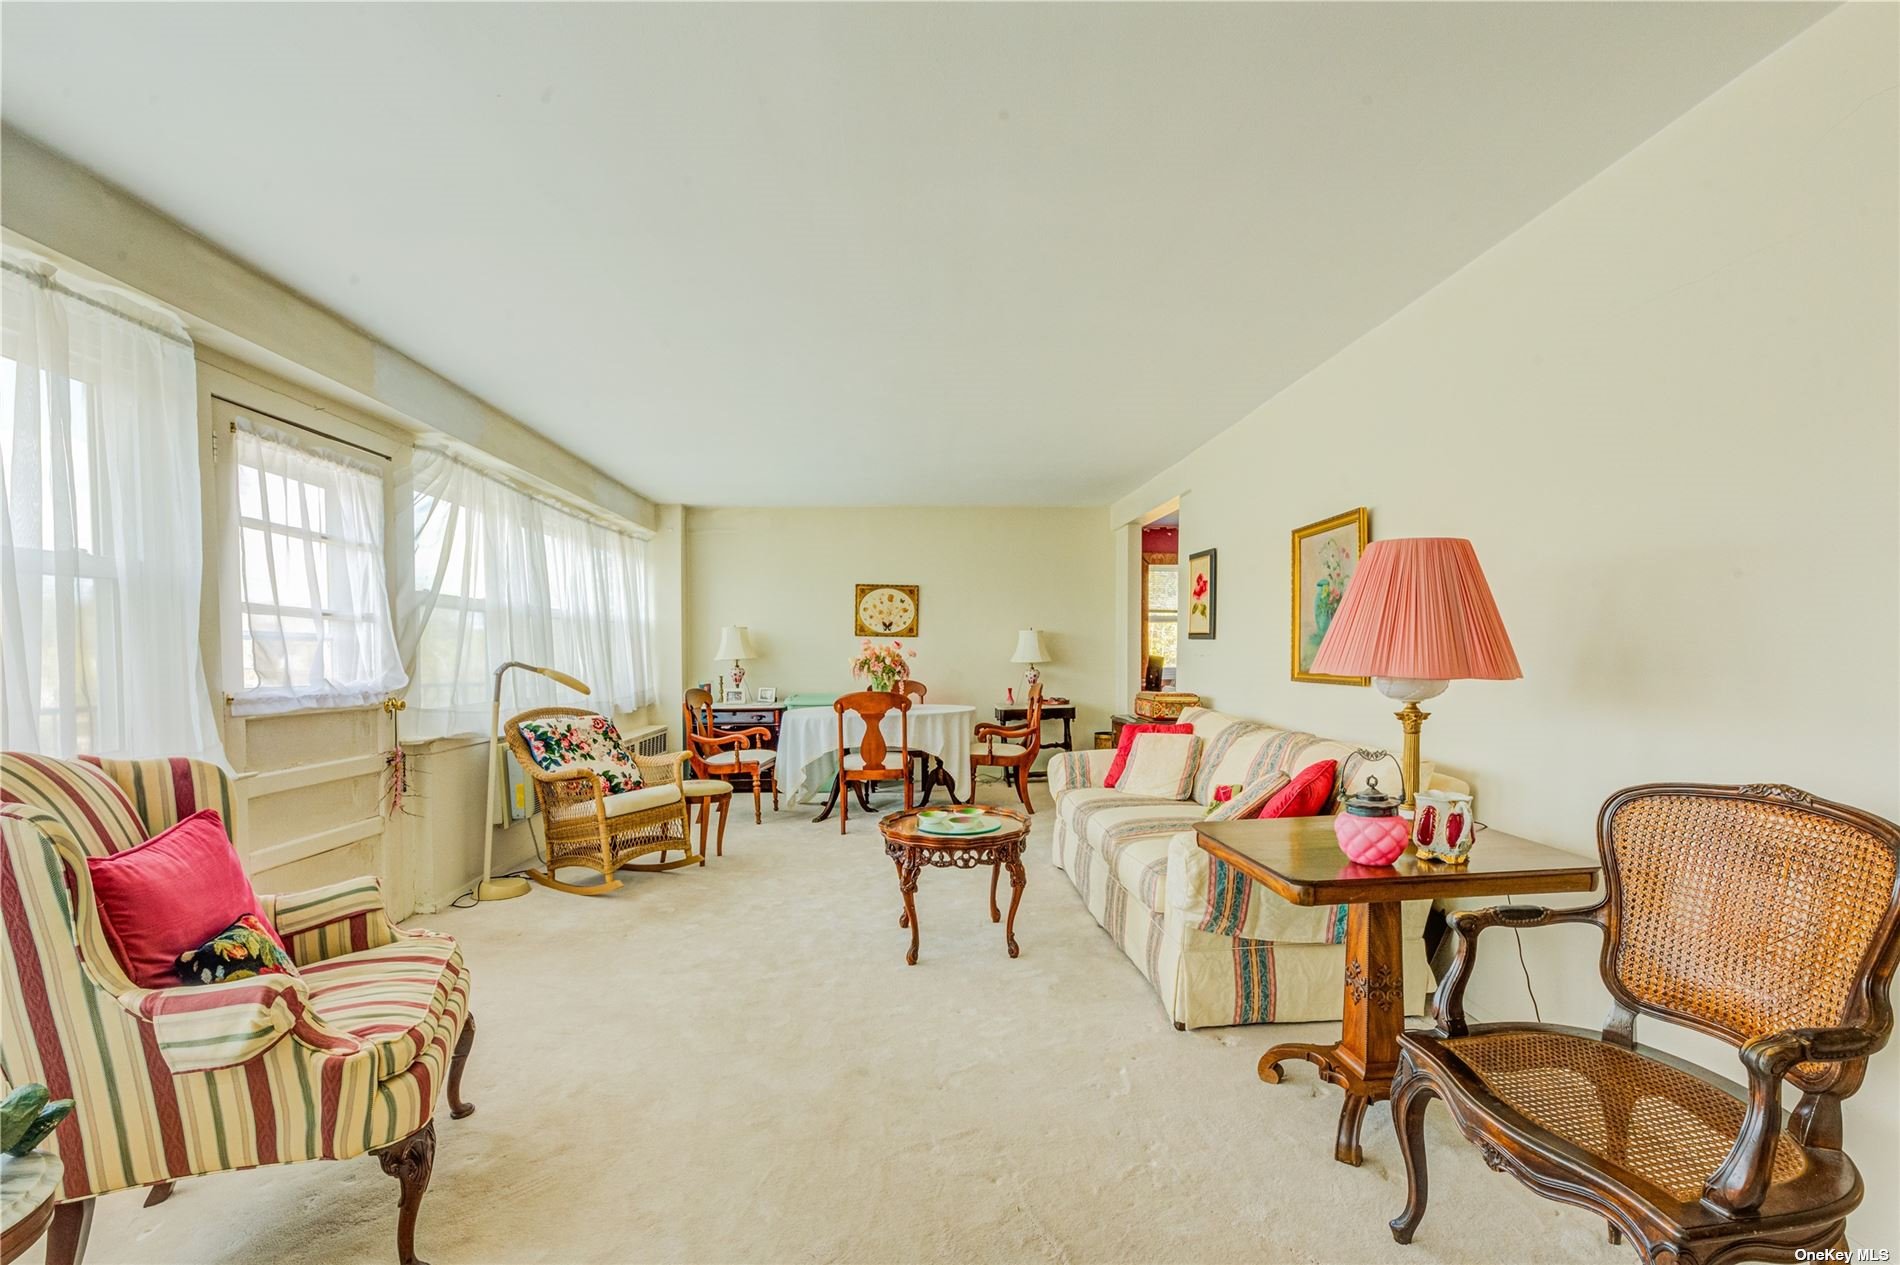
(590, 744)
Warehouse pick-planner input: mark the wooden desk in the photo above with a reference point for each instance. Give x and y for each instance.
(1016, 714)
(1298, 859)
(730, 716)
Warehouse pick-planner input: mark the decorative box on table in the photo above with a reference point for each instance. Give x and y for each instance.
(1163, 704)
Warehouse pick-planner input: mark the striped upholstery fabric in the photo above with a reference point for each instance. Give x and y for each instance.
(1217, 948)
(348, 1056)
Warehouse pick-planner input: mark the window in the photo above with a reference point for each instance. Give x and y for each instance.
(1161, 606)
(102, 561)
(313, 603)
(502, 573)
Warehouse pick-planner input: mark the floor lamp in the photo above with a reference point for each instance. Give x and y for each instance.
(510, 887)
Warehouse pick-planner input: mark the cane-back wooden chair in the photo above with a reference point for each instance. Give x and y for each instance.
(874, 760)
(729, 755)
(1011, 749)
(601, 805)
(1757, 914)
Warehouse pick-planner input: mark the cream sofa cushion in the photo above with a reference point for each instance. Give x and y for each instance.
(1162, 766)
(644, 798)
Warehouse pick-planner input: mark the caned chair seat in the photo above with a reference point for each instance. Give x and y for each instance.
(401, 998)
(705, 788)
(1000, 748)
(750, 755)
(1638, 1116)
(639, 801)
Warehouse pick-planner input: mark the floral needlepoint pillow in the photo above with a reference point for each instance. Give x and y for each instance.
(243, 949)
(582, 744)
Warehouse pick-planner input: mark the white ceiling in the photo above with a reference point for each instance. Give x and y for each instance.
(858, 254)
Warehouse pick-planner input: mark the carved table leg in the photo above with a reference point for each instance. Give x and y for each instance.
(459, 1110)
(410, 1162)
(907, 884)
(831, 800)
(996, 870)
(1367, 1053)
(1018, 879)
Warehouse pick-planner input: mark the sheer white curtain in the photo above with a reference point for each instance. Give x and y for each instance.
(103, 550)
(313, 603)
(501, 573)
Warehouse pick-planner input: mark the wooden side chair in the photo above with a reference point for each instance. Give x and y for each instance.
(1013, 750)
(874, 760)
(1759, 915)
(601, 805)
(729, 755)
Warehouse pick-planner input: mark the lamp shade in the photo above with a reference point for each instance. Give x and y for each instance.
(1418, 608)
(735, 643)
(1029, 648)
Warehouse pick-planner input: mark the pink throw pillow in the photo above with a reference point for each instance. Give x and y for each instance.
(170, 895)
(1307, 795)
(1127, 744)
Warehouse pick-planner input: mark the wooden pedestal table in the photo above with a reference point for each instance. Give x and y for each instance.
(1298, 859)
(910, 849)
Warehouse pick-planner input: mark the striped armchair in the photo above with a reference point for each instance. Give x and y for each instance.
(343, 1058)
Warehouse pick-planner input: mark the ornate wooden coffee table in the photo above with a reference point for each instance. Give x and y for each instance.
(910, 849)
(1298, 859)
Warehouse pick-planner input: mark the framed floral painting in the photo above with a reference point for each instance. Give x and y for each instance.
(886, 610)
(1324, 557)
(1201, 582)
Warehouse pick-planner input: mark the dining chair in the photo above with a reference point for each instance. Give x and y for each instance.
(721, 755)
(1012, 749)
(870, 763)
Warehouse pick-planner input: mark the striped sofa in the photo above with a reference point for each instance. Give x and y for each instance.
(343, 1058)
(1218, 948)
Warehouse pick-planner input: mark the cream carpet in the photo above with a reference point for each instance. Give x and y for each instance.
(733, 1064)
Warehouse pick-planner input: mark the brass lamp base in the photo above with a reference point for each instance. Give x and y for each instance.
(501, 888)
(1412, 719)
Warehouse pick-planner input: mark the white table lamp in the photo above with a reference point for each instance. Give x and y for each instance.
(735, 643)
(1030, 650)
(511, 887)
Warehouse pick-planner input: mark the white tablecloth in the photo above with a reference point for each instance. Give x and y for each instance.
(808, 743)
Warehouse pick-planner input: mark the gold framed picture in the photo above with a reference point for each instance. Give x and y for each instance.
(886, 610)
(1325, 555)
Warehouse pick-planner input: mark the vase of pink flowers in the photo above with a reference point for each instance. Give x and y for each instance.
(883, 665)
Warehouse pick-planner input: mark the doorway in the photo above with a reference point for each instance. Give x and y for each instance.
(1160, 600)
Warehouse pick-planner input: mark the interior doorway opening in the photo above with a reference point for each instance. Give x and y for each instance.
(1160, 599)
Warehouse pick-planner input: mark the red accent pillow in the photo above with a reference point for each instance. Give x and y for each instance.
(1307, 795)
(1127, 744)
(170, 895)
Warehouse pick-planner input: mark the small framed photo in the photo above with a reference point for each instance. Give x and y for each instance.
(734, 696)
(768, 694)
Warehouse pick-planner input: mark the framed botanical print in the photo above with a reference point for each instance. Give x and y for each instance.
(1324, 557)
(886, 610)
(1201, 582)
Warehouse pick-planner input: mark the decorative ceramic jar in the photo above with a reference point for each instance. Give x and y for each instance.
(1370, 830)
(1442, 826)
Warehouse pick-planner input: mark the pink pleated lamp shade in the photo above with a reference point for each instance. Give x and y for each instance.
(1418, 608)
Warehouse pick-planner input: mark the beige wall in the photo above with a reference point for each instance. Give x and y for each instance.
(1665, 412)
(790, 575)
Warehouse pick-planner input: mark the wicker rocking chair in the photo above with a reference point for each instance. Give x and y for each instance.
(1757, 914)
(587, 826)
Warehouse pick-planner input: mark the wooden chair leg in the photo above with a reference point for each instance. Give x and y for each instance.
(410, 1162)
(774, 779)
(158, 1194)
(705, 814)
(725, 807)
(1408, 1120)
(758, 814)
(458, 1109)
(72, 1226)
(1022, 788)
(844, 802)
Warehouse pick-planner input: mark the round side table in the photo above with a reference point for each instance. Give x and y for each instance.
(910, 849)
(28, 1184)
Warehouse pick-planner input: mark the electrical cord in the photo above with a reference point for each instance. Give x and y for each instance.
(1523, 966)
